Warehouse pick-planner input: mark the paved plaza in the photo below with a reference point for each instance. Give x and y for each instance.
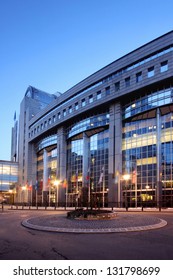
(18, 242)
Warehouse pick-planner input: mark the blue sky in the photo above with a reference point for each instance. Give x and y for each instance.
(54, 44)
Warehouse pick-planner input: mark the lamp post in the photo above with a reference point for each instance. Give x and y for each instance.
(23, 193)
(147, 188)
(56, 184)
(126, 177)
(11, 196)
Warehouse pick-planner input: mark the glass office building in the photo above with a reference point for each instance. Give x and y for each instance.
(107, 141)
(8, 180)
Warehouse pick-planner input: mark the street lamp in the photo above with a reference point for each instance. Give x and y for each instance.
(11, 192)
(126, 177)
(56, 184)
(23, 193)
(147, 188)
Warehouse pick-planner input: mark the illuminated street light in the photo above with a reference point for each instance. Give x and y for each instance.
(23, 193)
(126, 177)
(56, 183)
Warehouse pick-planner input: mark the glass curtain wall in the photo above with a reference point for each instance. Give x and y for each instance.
(98, 163)
(139, 162)
(51, 171)
(74, 171)
(148, 149)
(92, 188)
(167, 159)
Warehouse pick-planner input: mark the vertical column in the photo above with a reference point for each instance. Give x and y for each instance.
(159, 169)
(32, 170)
(45, 171)
(45, 179)
(115, 153)
(61, 163)
(85, 187)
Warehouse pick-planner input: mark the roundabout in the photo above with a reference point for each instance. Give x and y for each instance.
(122, 222)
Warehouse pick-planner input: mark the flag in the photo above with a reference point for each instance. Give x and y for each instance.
(27, 184)
(64, 183)
(134, 177)
(41, 184)
(36, 185)
(76, 176)
(88, 175)
(101, 176)
(49, 180)
(30, 186)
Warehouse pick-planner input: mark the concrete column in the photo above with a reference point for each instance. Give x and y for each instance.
(45, 171)
(85, 185)
(115, 154)
(85, 158)
(61, 163)
(32, 170)
(159, 163)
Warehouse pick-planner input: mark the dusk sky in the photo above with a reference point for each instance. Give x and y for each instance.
(54, 44)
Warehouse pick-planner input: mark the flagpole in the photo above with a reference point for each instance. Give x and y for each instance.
(36, 197)
(89, 193)
(42, 197)
(31, 195)
(136, 194)
(36, 194)
(103, 193)
(49, 195)
(77, 191)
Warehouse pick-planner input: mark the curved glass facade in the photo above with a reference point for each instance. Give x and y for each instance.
(139, 155)
(147, 149)
(46, 142)
(88, 124)
(87, 169)
(148, 102)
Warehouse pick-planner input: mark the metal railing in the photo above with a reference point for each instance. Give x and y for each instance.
(141, 206)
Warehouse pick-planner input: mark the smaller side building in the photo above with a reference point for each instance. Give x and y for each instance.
(8, 180)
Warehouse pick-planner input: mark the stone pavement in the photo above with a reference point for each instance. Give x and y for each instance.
(124, 222)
